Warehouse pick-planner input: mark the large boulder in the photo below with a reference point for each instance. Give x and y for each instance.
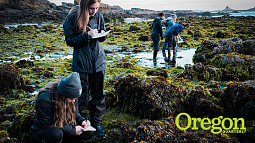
(238, 100)
(149, 98)
(200, 103)
(206, 73)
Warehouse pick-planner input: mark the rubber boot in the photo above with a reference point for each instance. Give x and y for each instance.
(169, 54)
(164, 53)
(99, 131)
(174, 51)
(155, 55)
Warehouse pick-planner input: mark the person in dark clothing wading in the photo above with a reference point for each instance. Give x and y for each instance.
(82, 23)
(58, 119)
(157, 33)
(172, 32)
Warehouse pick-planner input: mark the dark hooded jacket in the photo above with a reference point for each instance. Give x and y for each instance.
(45, 111)
(176, 29)
(88, 54)
(157, 28)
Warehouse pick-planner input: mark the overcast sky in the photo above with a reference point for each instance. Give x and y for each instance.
(176, 4)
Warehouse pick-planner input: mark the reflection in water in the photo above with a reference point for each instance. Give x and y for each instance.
(182, 57)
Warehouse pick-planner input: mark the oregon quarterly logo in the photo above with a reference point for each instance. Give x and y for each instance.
(217, 125)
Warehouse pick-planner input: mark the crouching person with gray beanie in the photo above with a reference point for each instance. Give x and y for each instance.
(58, 118)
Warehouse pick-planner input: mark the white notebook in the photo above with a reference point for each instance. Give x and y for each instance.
(90, 128)
(101, 35)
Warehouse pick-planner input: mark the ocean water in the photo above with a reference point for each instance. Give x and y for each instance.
(245, 13)
(242, 13)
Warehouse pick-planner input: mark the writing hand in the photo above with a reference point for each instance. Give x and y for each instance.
(78, 130)
(102, 31)
(93, 32)
(86, 123)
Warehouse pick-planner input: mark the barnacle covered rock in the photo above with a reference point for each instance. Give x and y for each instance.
(200, 103)
(242, 66)
(229, 54)
(149, 98)
(238, 100)
(206, 73)
(209, 49)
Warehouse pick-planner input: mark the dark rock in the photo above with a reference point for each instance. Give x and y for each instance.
(157, 72)
(144, 131)
(200, 103)
(47, 74)
(21, 126)
(222, 34)
(110, 99)
(134, 28)
(149, 98)
(25, 63)
(10, 77)
(203, 136)
(125, 65)
(143, 38)
(206, 73)
(238, 100)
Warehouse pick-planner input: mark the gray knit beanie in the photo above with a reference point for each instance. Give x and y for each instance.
(70, 86)
(173, 15)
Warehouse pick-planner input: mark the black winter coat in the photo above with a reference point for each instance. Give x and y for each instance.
(157, 28)
(45, 109)
(88, 54)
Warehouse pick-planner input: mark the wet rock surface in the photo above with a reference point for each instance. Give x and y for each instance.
(149, 98)
(200, 103)
(10, 76)
(232, 54)
(144, 131)
(206, 73)
(238, 100)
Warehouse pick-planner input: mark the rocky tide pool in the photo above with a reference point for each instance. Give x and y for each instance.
(212, 75)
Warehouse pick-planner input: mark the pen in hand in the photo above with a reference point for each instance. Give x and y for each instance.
(89, 27)
(92, 32)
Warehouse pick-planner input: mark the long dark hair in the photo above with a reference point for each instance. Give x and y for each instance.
(82, 11)
(64, 111)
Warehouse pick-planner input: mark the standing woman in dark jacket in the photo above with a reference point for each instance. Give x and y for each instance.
(157, 33)
(82, 23)
(58, 118)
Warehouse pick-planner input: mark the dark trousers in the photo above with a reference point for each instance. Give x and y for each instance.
(56, 135)
(156, 42)
(94, 84)
(170, 39)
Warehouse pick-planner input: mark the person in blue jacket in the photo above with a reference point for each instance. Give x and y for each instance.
(169, 22)
(83, 22)
(57, 115)
(157, 33)
(172, 32)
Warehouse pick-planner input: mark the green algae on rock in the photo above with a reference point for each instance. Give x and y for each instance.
(149, 98)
